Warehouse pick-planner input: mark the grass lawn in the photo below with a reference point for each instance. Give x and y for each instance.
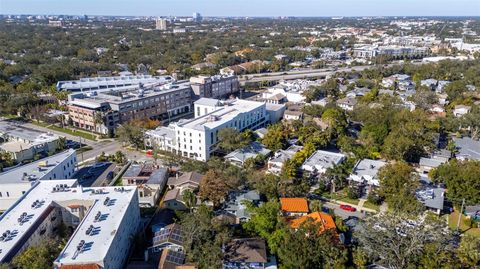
(340, 197)
(371, 206)
(73, 132)
(69, 131)
(83, 149)
(464, 224)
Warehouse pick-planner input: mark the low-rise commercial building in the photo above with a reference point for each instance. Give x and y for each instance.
(217, 87)
(104, 83)
(24, 143)
(17, 181)
(102, 111)
(104, 221)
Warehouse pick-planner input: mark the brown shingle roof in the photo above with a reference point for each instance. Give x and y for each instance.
(246, 250)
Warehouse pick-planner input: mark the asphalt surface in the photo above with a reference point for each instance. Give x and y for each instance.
(344, 214)
(91, 176)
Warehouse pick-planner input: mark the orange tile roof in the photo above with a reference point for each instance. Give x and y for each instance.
(294, 204)
(326, 221)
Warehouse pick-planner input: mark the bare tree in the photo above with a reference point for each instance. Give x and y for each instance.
(395, 241)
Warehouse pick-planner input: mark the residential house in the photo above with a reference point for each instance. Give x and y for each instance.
(246, 253)
(188, 181)
(150, 181)
(275, 163)
(236, 207)
(261, 132)
(461, 110)
(427, 164)
(324, 220)
(169, 237)
(473, 212)
(321, 160)
(294, 207)
(291, 115)
(432, 198)
(365, 173)
(239, 156)
(467, 148)
(347, 103)
(171, 259)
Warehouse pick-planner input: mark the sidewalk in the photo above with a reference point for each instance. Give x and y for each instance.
(359, 207)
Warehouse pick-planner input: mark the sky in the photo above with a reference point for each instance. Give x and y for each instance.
(253, 8)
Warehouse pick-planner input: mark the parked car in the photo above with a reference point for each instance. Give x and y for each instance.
(348, 208)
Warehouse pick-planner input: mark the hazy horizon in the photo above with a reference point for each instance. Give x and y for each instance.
(246, 8)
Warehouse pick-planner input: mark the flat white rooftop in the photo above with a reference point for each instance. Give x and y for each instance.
(71, 194)
(222, 115)
(18, 131)
(35, 170)
(324, 159)
(110, 82)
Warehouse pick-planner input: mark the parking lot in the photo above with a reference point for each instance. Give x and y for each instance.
(94, 175)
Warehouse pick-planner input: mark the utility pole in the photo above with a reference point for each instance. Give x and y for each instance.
(460, 214)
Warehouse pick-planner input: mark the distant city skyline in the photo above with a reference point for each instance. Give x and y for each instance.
(252, 8)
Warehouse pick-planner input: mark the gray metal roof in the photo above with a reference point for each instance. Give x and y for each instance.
(251, 151)
(432, 197)
(34, 169)
(467, 148)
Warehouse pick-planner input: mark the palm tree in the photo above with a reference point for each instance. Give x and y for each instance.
(97, 119)
(189, 198)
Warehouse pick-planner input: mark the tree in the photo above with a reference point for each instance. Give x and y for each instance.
(410, 137)
(204, 237)
(336, 120)
(306, 248)
(97, 119)
(276, 137)
(461, 179)
(130, 134)
(398, 183)
(189, 198)
(213, 187)
(468, 252)
(39, 257)
(399, 242)
(230, 139)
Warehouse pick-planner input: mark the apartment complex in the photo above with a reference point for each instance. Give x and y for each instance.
(104, 219)
(17, 181)
(102, 111)
(217, 87)
(197, 138)
(24, 143)
(396, 52)
(102, 83)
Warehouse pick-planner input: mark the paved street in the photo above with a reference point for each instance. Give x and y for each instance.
(343, 213)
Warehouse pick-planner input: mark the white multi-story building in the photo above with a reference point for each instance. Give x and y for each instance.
(197, 138)
(105, 220)
(161, 24)
(17, 181)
